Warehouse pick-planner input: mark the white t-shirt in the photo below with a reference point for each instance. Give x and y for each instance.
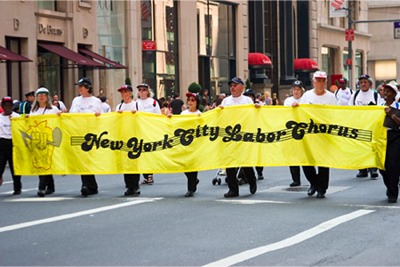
(5, 125)
(126, 106)
(343, 96)
(187, 112)
(310, 97)
(106, 107)
(41, 111)
(148, 105)
(233, 101)
(89, 104)
(62, 105)
(363, 98)
(290, 100)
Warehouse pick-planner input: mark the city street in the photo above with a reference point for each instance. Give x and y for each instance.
(354, 225)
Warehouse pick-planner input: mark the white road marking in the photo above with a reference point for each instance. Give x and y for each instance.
(302, 189)
(323, 227)
(76, 214)
(23, 190)
(372, 206)
(251, 202)
(38, 199)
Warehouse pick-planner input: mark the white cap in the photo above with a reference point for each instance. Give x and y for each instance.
(42, 90)
(320, 74)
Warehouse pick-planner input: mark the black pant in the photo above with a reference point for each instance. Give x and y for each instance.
(46, 181)
(259, 170)
(192, 181)
(6, 155)
(319, 181)
(89, 181)
(232, 180)
(392, 171)
(295, 173)
(132, 181)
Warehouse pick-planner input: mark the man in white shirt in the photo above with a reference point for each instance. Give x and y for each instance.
(365, 96)
(318, 95)
(237, 98)
(343, 94)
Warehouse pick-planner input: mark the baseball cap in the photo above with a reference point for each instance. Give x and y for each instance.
(189, 94)
(125, 87)
(42, 90)
(320, 74)
(249, 91)
(391, 86)
(84, 82)
(299, 84)
(143, 85)
(32, 93)
(236, 80)
(342, 80)
(6, 99)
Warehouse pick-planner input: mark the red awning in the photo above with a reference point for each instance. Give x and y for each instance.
(104, 60)
(68, 54)
(7, 55)
(259, 61)
(305, 65)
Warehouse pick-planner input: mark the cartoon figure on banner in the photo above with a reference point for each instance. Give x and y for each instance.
(41, 139)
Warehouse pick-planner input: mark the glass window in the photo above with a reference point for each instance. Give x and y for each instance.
(46, 4)
(49, 71)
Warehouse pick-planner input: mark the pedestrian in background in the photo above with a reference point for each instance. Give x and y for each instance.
(87, 103)
(146, 103)
(42, 105)
(25, 106)
(319, 182)
(297, 92)
(6, 146)
(392, 161)
(104, 105)
(343, 94)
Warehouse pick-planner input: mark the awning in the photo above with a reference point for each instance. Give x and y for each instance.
(105, 61)
(305, 65)
(259, 61)
(70, 55)
(7, 55)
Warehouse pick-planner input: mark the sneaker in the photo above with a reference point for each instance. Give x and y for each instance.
(362, 174)
(41, 193)
(231, 194)
(17, 192)
(294, 184)
(374, 175)
(49, 191)
(132, 192)
(189, 194)
(260, 177)
(86, 191)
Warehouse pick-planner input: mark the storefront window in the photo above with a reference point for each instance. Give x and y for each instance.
(49, 71)
(111, 31)
(160, 56)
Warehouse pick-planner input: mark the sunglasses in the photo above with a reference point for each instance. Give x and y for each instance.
(142, 89)
(191, 100)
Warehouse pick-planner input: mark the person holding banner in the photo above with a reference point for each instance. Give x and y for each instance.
(297, 92)
(42, 105)
(128, 104)
(319, 182)
(391, 173)
(6, 146)
(237, 98)
(87, 103)
(147, 103)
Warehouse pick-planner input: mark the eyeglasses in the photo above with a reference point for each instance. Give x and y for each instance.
(191, 100)
(142, 89)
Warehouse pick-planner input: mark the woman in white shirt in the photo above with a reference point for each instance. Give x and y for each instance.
(147, 103)
(42, 105)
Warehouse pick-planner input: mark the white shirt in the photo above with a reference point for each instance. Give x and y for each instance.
(187, 112)
(106, 107)
(343, 96)
(363, 98)
(89, 104)
(41, 111)
(62, 105)
(126, 106)
(290, 100)
(233, 101)
(309, 97)
(5, 125)
(148, 105)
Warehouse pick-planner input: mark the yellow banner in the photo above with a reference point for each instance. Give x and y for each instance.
(331, 136)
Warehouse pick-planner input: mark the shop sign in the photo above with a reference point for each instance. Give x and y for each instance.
(50, 30)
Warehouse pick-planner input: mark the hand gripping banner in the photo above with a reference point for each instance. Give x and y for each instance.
(330, 136)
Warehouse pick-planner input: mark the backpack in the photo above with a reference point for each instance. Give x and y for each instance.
(358, 91)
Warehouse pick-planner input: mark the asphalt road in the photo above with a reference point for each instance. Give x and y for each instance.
(354, 225)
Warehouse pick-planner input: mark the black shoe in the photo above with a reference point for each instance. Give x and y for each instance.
(41, 193)
(294, 184)
(17, 192)
(49, 191)
(392, 200)
(320, 195)
(374, 174)
(231, 194)
(253, 187)
(260, 177)
(189, 194)
(132, 192)
(86, 191)
(362, 174)
(311, 191)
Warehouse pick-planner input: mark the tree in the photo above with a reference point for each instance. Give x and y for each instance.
(248, 84)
